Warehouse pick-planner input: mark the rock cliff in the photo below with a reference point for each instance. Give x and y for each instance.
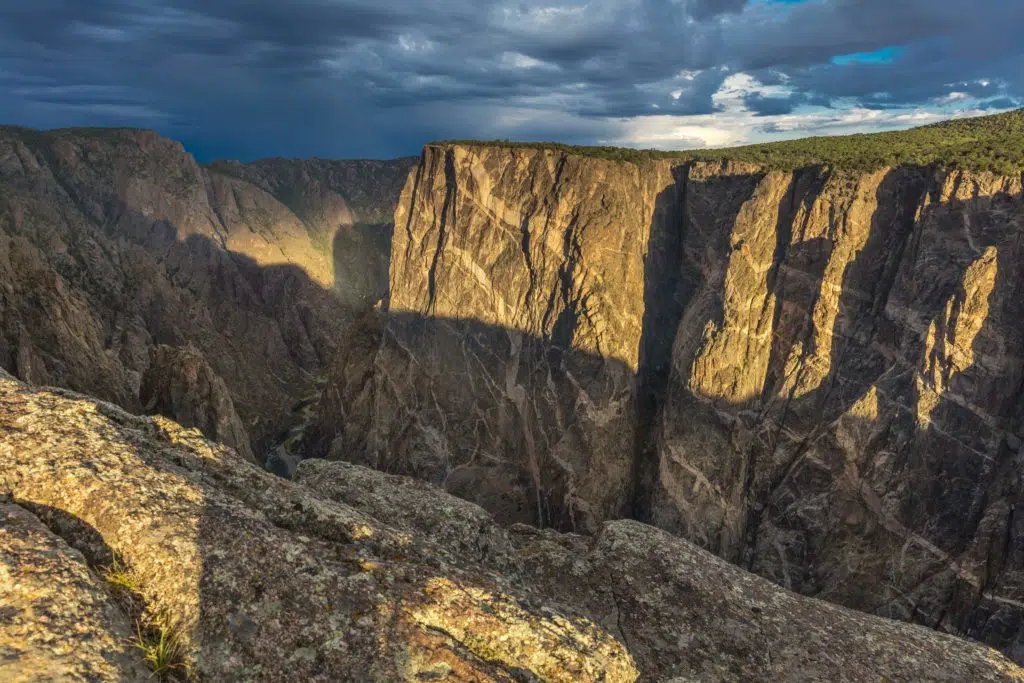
(818, 375)
(113, 242)
(180, 384)
(353, 575)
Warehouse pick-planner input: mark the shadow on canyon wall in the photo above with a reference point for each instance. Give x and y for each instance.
(883, 482)
(493, 415)
(92, 293)
(514, 415)
(361, 257)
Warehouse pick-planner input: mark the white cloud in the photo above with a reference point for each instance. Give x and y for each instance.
(410, 43)
(734, 124)
(518, 60)
(101, 33)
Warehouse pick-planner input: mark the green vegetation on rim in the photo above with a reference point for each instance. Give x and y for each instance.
(985, 143)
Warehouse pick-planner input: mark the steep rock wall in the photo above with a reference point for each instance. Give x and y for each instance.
(506, 365)
(814, 374)
(115, 241)
(843, 418)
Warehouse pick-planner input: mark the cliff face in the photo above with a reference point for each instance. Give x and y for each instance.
(116, 241)
(817, 375)
(515, 321)
(842, 416)
(180, 384)
(351, 575)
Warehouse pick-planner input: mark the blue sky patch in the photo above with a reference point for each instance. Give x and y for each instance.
(886, 55)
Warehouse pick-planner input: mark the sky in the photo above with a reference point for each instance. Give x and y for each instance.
(245, 79)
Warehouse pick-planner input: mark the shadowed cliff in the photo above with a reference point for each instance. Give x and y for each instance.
(114, 242)
(874, 466)
(824, 367)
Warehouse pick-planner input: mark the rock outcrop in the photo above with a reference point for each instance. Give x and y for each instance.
(116, 241)
(181, 385)
(356, 575)
(58, 622)
(815, 374)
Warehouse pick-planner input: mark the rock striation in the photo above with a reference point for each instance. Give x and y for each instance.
(817, 375)
(352, 574)
(113, 242)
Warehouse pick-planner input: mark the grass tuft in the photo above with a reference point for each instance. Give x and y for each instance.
(163, 648)
(158, 637)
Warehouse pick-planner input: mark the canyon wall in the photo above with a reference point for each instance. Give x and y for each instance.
(815, 374)
(113, 242)
(505, 368)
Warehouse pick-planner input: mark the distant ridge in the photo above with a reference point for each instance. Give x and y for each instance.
(983, 143)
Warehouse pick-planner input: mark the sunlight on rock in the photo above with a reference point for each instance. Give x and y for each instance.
(495, 629)
(949, 344)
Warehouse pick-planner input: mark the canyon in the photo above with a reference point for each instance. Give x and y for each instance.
(562, 382)
(114, 242)
(817, 374)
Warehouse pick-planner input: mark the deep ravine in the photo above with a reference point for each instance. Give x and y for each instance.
(812, 374)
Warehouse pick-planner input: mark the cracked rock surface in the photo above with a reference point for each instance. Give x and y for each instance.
(58, 621)
(356, 575)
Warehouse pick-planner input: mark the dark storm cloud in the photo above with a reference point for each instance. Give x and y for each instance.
(763, 105)
(365, 77)
(702, 9)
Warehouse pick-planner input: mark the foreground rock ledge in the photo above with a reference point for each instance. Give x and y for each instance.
(323, 580)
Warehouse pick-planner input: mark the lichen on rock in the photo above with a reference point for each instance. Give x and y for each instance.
(350, 574)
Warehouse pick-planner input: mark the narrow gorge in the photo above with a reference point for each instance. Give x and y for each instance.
(815, 374)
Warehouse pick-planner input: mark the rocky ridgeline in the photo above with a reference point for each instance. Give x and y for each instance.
(131, 541)
(115, 242)
(816, 375)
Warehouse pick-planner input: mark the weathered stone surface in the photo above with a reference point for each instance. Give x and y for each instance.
(688, 615)
(57, 619)
(461, 530)
(180, 384)
(816, 374)
(266, 580)
(114, 241)
(271, 580)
